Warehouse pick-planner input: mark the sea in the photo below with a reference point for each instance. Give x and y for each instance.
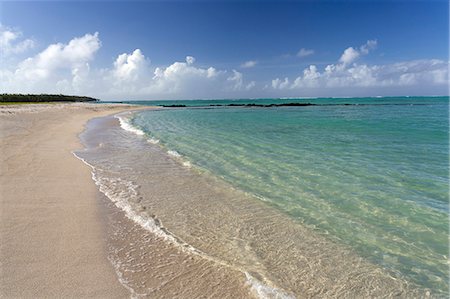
(284, 198)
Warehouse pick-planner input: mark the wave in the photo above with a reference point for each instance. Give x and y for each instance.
(187, 164)
(153, 140)
(180, 158)
(174, 153)
(125, 124)
(124, 119)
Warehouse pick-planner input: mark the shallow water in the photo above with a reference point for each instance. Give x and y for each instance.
(264, 247)
(373, 176)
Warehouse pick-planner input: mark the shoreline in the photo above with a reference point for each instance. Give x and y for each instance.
(62, 236)
(201, 213)
(52, 234)
(149, 260)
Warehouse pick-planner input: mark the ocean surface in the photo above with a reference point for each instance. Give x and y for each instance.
(366, 178)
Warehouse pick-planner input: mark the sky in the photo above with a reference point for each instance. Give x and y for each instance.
(153, 50)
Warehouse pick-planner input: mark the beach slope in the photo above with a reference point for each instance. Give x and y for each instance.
(51, 234)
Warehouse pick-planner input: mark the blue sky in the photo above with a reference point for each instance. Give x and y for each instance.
(138, 50)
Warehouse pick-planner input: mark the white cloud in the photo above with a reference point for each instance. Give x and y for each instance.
(186, 80)
(69, 68)
(11, 43)
(65, 68)
(180, 77)
(237, 81)
(250, 85)
(350, 54)
(305, 52)
(59, 57)
(347, 74)
(190, 60)
(249, 64)
(58, 68)
(128, 67)
(369, 45)
(418, 72)
(310, 78)
(280, 84)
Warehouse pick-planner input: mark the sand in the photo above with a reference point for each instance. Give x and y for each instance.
(52, 243)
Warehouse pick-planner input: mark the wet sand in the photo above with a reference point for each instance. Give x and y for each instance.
(51, 235)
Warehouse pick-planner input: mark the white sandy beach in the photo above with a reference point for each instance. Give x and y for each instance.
(52, 241)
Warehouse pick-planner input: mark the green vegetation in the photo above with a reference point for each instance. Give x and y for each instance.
(41, 98)
(25, 103)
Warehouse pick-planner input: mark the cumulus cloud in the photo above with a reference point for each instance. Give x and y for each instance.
(368, 46)
(350, 54)
(249, 64)
(190, 60)
(65, 68)
(237, 80)
(69, 68)
(60, 56)
(347, 73)
(433, 71)
(280, 84)
(128, 67)
(182, 76)
(11, 41)
(54, 69)
(305, 52)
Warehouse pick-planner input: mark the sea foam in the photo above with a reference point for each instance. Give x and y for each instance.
(121, 192)
(262, 290)
(125, 124)
(174, 153)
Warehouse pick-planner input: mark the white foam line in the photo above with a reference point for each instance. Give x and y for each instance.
(125, 124)
(119, 199)
(115, 264)
(262, 290)
(174, 153)
(180, 158)
(187, 164)
(153, 140)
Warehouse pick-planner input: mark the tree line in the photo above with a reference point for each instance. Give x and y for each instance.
(37, 98)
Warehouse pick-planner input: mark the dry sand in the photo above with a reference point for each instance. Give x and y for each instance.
(52, 242)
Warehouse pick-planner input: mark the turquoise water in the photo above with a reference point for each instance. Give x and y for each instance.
(318, 101)
(374, 177)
